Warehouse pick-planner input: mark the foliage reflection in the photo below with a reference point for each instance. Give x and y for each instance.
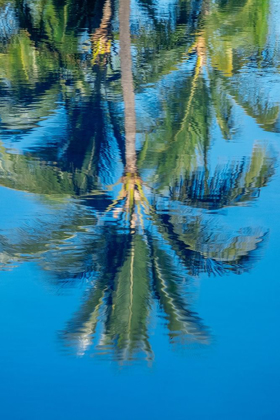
(112, 120)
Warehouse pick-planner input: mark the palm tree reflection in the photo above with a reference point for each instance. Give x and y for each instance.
(142, 246)
(156, 252)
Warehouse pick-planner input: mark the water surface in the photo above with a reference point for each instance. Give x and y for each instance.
(139, 215)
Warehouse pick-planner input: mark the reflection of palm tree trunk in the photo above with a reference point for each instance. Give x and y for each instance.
(106, 19)
(101, 42)
(132, 190)
(206, 8)
(127, 86)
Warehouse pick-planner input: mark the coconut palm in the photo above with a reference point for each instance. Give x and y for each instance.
(119, 300)
(211, 98)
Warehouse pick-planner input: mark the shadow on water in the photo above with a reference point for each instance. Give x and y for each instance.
(111, 121)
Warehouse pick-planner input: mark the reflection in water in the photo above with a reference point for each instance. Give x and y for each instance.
(118, 121)
(229, 184)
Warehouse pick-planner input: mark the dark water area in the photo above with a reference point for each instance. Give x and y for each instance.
(139, 212)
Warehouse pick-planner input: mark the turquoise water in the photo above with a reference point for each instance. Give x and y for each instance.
(139, 227)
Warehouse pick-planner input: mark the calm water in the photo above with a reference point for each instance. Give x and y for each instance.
(139, 212)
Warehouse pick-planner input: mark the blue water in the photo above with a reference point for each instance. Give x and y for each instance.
(236, 377)
(139, 212)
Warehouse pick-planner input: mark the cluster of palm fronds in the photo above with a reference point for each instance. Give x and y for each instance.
(140, 240)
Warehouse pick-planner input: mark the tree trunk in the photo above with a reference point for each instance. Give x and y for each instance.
(127, 86)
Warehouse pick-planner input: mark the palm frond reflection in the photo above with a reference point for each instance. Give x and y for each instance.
(134, 200)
